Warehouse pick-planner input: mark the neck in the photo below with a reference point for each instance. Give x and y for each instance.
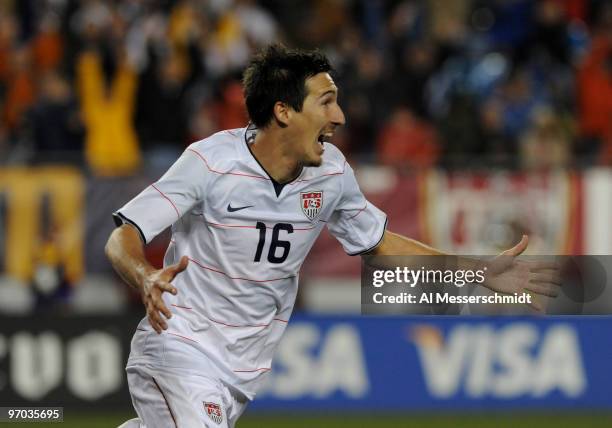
(271, 149)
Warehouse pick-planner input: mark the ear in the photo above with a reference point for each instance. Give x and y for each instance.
(282, 114)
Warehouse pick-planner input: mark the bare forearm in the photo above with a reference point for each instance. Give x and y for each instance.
(394, 244)
(125, 251)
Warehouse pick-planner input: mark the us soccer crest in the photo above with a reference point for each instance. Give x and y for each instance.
(311, 203)
(213, 411)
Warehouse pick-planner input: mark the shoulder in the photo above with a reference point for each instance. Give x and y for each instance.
(218, 149)
(333, 165)
(333, 160)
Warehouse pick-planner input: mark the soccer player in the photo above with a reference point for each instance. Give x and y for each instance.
(245, 206)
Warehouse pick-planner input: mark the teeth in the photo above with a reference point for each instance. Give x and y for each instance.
(325, 137)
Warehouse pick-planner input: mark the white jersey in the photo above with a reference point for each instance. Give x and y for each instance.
(246, 238)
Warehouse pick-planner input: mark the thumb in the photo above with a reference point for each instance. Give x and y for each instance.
(177, 268)
(518, 248)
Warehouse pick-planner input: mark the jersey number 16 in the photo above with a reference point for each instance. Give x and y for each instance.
(276, 243)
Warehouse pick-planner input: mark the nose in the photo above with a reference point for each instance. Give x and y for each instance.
(337, 117)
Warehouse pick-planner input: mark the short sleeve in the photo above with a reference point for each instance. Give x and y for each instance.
(355, 222)
(168, 199)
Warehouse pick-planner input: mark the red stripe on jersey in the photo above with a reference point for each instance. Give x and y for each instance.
(232, 325)
(168, 199)
(265, 369)
(251, 227)
(230, 225)
(306, 228)
(183, 337)
(237, 326)
(232, 277)
(322, 175)
(246, 325)
(227, 172)
(259, 176)
(179, 306)
(358, 212)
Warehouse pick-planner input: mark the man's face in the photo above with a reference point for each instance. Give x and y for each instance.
(318, 119)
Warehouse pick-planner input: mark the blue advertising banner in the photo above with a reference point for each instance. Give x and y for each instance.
(341, 363)
(427, 363)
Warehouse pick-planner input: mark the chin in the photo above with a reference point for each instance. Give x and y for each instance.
(314, 162)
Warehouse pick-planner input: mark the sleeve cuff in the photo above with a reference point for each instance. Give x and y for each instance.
(120, 219)
(373, 246)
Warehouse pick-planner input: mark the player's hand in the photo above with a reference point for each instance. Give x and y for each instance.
(155, 284)
(506, 274)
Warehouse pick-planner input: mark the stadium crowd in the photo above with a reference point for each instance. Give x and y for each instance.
(115, 85)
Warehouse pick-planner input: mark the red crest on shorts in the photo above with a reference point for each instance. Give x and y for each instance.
(311, 203)
(213, 411)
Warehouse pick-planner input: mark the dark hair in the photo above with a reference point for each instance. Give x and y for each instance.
(276, 74)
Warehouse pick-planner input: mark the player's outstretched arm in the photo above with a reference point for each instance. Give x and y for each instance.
(125, 251)
(505, 273)
(393, 244)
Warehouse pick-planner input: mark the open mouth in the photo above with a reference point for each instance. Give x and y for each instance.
(325, 137)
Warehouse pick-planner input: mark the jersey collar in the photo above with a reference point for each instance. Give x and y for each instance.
(248, 137)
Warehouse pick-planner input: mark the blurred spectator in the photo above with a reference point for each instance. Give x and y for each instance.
(202, 122)
(461, 133)
(547, 142)
(20, 88)
(519, 98)
(258, 24)
(239, 28)
(595, 95)
(231, 111)
(550, 35)
(416, 66)
(9, 28)
(162, 101)
(368, 99)
(111, 146)
(501, 151)
(225, 111)
(479, 70)
(47, 44)
(407, 141)
(55, 123)
(447, 21)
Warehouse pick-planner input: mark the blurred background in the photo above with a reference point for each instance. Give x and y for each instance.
(470, 122)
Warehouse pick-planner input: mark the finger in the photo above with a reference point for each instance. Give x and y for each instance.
(552, 272)
(177, 268)
(535, 266)
(518, 248)
(161, 307)
(153, 323)
(545, 290)
(154, 326)
(550, 278)
(534, 304)
(166, 286)
(158, 320)
(158, 323)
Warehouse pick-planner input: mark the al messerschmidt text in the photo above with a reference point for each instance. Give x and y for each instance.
(446, 298)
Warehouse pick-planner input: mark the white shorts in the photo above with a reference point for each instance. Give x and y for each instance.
(176, 398)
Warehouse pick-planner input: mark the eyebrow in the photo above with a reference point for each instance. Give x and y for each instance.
(330, 91)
